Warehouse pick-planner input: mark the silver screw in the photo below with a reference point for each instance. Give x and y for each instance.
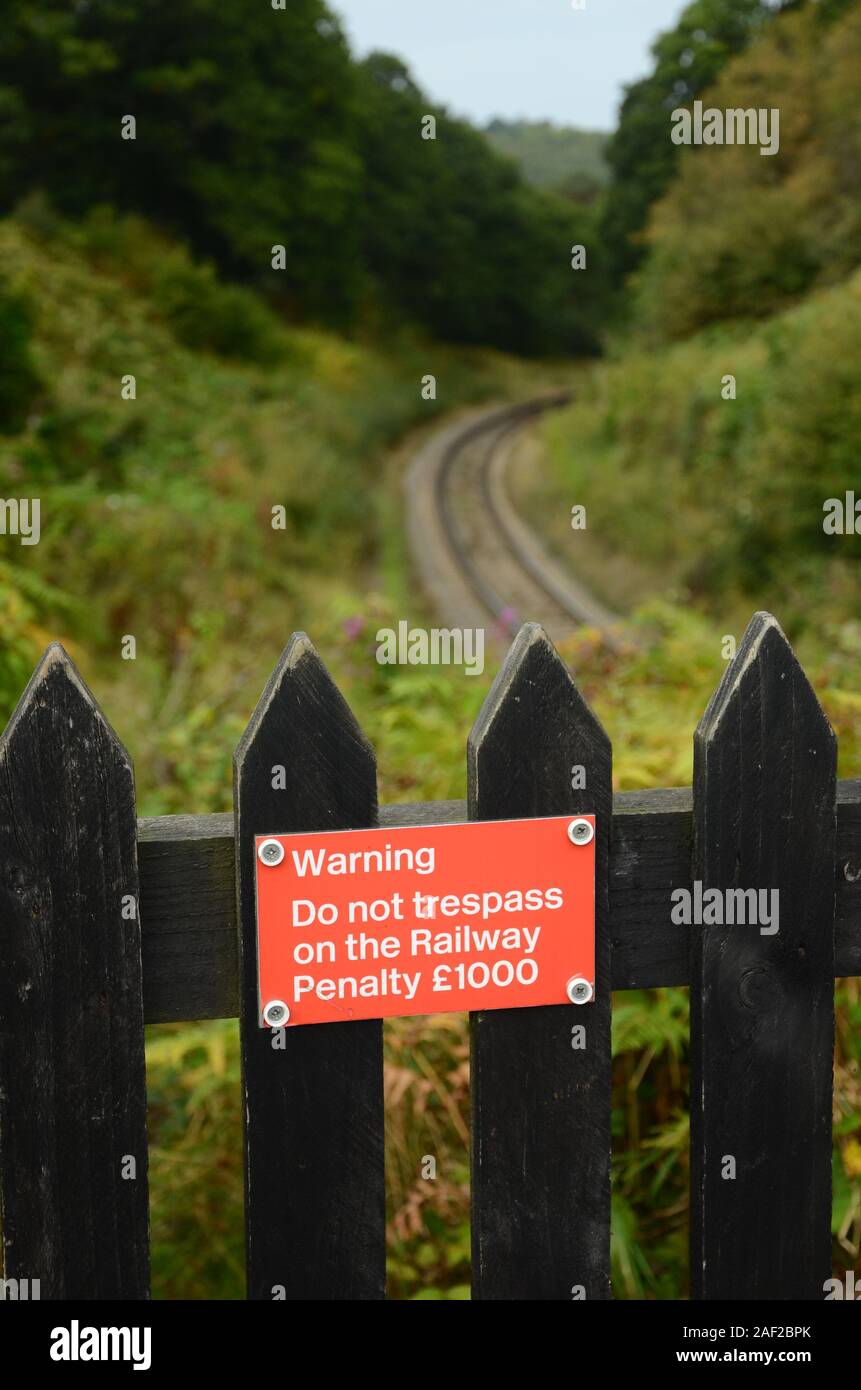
(276, 1013)
(579, 991)
(270, 852)
(580, 831)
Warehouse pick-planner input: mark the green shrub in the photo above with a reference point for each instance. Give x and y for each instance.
(205, 314)
(732, 490)
(19, 379)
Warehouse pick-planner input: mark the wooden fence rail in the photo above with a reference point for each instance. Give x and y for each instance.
(107, 922)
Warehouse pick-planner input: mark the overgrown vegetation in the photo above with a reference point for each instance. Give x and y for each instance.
(748, 477)
(739, 236)
(256, 128)
(643, 160)
(159, 494)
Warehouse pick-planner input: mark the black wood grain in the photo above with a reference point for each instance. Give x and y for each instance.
(315, 1198)
(540, 1108)
(72, 1083)
(650, 856)
(188, 911)
(762, 1006)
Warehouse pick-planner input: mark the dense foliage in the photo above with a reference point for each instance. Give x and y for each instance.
(256, 128)
(653, 439)
(19, 379)
(141, 489)
(687, 59)
(746, 426)
(738, 235)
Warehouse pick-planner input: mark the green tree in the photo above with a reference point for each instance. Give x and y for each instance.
(244, 137)
(641, 155)
(255, 128)
(739, 236)
(452, 235)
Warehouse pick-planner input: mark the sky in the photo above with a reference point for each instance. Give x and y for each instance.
(537, 59)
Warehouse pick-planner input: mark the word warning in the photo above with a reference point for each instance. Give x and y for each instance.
(431, 919)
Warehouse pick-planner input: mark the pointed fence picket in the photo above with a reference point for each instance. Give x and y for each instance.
(315, 1195)
(765, 813)
(73, 1144)
(762, 1001)
(540, 1097)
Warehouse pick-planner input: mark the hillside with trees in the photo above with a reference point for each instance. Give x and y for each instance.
(568, 161)
(736, 399)
(256, 128)
(686, 60)
(738, 236)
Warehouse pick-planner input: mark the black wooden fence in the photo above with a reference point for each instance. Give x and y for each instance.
(107, 922)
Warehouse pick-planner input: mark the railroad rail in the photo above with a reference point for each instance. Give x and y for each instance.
(477, 558)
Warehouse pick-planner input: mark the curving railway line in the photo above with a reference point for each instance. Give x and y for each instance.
(477, 559)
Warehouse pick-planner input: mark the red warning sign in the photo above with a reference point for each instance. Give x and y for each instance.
(425, 919)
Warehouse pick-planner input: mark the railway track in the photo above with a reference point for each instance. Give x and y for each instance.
(476, 558)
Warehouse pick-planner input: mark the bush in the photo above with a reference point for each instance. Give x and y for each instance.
(741, 483)
(19, 379)
(205, 314)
